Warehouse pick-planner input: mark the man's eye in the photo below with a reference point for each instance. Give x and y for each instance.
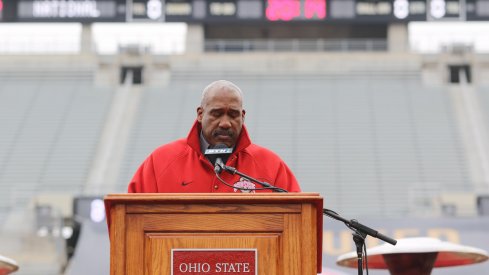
(234, 114)
(215, 113)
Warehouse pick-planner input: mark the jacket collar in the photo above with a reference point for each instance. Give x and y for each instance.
(193, 138)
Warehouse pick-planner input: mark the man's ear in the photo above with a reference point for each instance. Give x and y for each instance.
(243, 113)
(200, 111)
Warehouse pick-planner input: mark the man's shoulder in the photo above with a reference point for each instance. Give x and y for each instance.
(172, 149)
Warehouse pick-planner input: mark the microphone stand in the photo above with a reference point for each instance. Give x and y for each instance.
(360, 232)
(233, 171)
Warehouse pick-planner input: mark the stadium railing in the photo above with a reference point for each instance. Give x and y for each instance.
(295, 45)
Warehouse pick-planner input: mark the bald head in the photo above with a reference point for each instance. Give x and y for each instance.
(221, 113)
(223, 86)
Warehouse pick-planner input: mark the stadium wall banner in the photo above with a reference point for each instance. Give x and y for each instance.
(258, 11)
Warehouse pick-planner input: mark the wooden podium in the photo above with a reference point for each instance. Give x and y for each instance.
(284, 230)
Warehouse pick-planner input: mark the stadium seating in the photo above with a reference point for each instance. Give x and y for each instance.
(370, 136)
(368, 139)
(51, 122)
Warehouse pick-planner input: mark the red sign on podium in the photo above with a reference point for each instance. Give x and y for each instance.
(214, 261)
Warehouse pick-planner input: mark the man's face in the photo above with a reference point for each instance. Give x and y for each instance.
(221, 116)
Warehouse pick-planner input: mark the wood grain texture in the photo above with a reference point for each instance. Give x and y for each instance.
(267, 246)
(308, 239)
(134, 244)
(117, 240)
(214, 198)
(150, 261)
(214, 208)
(291, 245)
(284, 229)
(213, 222)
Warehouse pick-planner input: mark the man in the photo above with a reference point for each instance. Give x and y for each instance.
(181, 166)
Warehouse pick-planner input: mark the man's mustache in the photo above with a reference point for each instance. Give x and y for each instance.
(223, 132)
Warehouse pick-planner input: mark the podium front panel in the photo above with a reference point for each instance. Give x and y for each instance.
(284, 234)
(267, 246)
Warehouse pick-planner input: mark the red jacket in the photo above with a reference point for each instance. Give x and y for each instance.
(180, 167)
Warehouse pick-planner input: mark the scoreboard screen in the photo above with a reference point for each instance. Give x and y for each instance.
(1, 10)
(145, 10)
(70, 11)
(366, 11)
(477, 10)
(378, 11)
(278, 10)
(260, 11)
(445, 9)
(246, 10)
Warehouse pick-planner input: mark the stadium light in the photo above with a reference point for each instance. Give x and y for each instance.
(67, 232)
(43, 232)
(97, 210)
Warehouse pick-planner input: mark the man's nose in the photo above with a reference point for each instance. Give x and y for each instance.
(225, 122)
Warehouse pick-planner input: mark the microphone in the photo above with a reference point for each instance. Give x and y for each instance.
(216, 156)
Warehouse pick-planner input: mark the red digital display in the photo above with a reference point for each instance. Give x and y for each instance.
(1, 5)
(284, 10)
(287, 10)
(315, 9)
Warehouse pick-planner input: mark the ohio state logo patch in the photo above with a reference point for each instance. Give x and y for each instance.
(245, 184)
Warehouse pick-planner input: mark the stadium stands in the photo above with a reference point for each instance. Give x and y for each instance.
(360, 108)
(371, 136)
(50, 121)
(361, 132)
(364, 135)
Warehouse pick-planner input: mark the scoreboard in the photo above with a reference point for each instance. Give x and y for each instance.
(208, 11)
(1, 10)
(64, 11)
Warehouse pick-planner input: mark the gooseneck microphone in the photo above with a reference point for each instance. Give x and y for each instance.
(218, 156)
